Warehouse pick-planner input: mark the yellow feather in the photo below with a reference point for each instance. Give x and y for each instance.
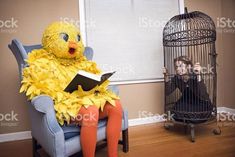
(23, 88)
(30, 90)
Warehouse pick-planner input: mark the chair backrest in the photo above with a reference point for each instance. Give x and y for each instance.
(21, 53)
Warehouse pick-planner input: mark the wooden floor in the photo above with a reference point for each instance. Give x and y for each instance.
(153, 141)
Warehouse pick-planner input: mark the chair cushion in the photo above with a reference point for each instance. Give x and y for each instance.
(73, 130)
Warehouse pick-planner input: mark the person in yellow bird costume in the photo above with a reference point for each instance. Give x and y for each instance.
(51, 69)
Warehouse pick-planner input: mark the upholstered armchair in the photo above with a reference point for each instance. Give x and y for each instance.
(56, 140)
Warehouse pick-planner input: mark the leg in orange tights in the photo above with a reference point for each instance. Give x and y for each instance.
(114, 114)
(88, 118)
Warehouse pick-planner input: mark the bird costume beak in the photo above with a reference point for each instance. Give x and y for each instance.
(72, 47)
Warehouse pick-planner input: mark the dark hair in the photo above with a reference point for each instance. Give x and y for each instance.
(184, 59)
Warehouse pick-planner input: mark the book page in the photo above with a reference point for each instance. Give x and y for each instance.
(90, 75)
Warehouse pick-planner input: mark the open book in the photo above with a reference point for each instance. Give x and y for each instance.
(87, 80)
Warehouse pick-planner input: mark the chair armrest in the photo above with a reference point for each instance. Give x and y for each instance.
(45, 127)
(114, 89)
(42, 103)
(125, 119)
(88, 53)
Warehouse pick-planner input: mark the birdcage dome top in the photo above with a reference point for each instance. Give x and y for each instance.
(189, 29)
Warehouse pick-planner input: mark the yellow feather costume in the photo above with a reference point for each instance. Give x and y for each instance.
(52, 68)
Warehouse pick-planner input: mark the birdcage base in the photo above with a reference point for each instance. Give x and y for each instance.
(167, 127)
(191, 127)
(192, 132)
(217, 131)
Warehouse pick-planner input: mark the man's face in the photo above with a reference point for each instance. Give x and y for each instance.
(181, 68)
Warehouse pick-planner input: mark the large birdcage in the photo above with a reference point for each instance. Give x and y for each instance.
(190, 69)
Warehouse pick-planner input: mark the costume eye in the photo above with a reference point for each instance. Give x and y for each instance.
(64, 36)
(78, 37)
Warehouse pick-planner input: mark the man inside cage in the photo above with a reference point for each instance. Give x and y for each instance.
(193, 103)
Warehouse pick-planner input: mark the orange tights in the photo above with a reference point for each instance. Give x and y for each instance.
(88, 118)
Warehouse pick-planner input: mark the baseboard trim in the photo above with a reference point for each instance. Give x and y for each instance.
(226, 110)
(132, 122)
(15, 136)
(147, 120)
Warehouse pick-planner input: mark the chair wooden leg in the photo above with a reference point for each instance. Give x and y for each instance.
(35, 147)
(79, 154)
(125, 141)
